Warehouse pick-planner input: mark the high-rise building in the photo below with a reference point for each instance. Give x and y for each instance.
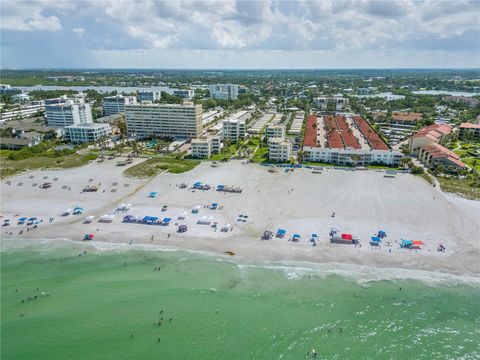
(148, 95)
(234, 130)
(68, 112)
(164, 120)
(224, 91)
(275, 131)
(116, 104)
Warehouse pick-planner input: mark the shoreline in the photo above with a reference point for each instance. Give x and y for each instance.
(293, 269)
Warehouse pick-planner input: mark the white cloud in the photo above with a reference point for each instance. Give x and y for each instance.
(79, 31)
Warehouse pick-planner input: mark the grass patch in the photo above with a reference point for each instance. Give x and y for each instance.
(463, 187)
(261, 155)
(12, 167)
(154, 166)
(427, 177)
(226, 153)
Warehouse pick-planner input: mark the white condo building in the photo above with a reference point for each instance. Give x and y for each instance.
(224, 91)
(204, 148)
(68, 112)
(84, 133)
(279, 149)
(148, 95)
(186, 94)
(116, 104)
(234, 130)
(275, 131)
(164, 120)
(323, 101)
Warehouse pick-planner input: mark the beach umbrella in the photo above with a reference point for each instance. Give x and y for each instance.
(376, 239)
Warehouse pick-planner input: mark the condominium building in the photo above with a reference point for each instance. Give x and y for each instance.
(148, 95)
(22, 111)
(204, 148)
(69, 112)
(427, 136)
(338, 102)
(469, 131)
(224, 91)
(89, 132)
(234, 130)
(351, 156)
(164, 120)
(279, 149)
(275, 131)
(116, 104)
(186, 94)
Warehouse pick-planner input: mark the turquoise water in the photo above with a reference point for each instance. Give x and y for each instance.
(110, 304)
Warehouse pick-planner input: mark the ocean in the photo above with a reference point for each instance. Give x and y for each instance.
(68, 300)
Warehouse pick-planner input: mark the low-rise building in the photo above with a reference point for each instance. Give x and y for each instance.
(204, 148)
(116, 104)
(13, 143)
(234, 130)
(148, 95)
(427, 136)
(338, 102)
(469, 131)
(406, 118)
(23, 111)
(350, 156)
(279, 149)
(186, 94)
(84, 133)
(436, 154)
(275, 131)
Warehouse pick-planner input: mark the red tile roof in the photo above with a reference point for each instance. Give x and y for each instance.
(436, 131)
(333, 135)
(469, 126)
(438, 151)
(375, 141)
(349, 140)
(310, 137)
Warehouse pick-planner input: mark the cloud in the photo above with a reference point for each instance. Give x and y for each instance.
(31, 15)
(340, 27)
(79, 32)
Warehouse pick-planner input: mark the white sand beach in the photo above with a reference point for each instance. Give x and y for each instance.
(300, 202)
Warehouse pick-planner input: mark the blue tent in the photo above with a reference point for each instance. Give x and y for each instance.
(376, 239)
(381, 234)
(197, 184)
(406, 243)
(220, 187)
(314, 236)
(78, 210)
(152, 194)
(296, 236)
(22, 220)
(150, 219)
(281, 232)
(166, 221)
(213, 206)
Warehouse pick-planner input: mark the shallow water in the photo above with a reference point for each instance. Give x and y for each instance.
(219, 309)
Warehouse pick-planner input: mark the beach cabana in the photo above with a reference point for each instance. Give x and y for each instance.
(107, 218)
(220, 187)
(150, 219)
(89, 219)
(226, 227)
(375, 240)
(296, 237)
(78, 210)
(6, 222)
(129, 218)
(213, 206)
(67, 212)
(166, 221)
(281, 233)
(196, 209)
(197, 185)
(381, 234)
(347, 236)
(22, 220)
(204, 221)
(33, 221)
(152, 194)
(406, 243)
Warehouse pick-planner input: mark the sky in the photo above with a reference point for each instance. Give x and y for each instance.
(240, 34)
